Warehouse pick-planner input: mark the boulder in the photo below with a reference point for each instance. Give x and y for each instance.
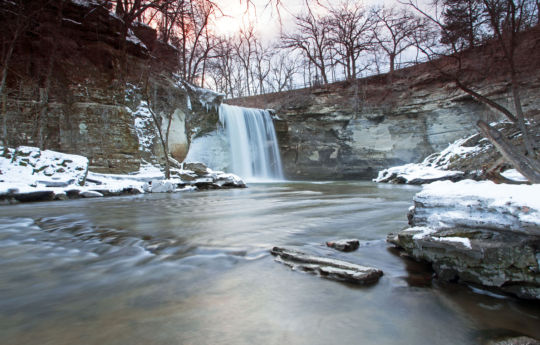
(326, 267)
(34, 196)
(344, 245)
(478, 233)
(198, 168)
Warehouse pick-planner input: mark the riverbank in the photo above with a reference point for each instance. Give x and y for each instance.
(29, 174)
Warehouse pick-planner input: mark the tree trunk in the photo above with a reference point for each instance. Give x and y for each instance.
(391, 73)
(521, 118)
(487, 101)
(4, 125)
(527, 166)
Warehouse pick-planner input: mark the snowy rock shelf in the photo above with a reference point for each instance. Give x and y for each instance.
(29, 174)
(478, 233)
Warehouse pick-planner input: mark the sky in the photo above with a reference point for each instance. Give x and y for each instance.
(265, 17)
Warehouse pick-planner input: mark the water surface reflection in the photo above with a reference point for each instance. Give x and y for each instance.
(194, 268)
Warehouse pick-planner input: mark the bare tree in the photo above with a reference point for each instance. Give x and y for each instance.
(351, 29)
(393, 32)
(312, 39)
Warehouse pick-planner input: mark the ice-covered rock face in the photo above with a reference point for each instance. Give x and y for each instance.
(478, 232)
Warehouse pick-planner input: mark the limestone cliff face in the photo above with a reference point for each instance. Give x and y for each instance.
(353, 129)
(74, 87)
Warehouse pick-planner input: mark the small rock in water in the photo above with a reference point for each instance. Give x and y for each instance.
(344, 245)
(327, 268)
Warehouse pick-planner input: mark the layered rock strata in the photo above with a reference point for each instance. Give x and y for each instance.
(353, 129)
(477, 233)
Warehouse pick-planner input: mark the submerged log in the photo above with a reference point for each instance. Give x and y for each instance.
(327, 268)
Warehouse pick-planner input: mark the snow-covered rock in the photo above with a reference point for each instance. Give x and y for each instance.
(91, 194)
(46, 168)
(416, 173)
(162, 186)
(478, 232)
(467, 158)
(29, 174)
(434, 168)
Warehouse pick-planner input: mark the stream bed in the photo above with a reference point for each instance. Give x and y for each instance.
(195, 268)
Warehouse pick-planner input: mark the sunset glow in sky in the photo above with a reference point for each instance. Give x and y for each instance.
(268, 22)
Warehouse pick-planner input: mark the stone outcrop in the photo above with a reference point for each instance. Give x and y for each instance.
(76, 86)
(468, 158)
(477, 233)
(327, 268)
(353, 129)
(29, 174)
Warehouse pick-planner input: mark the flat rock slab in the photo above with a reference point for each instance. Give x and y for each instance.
(344, 245)
(327, 268)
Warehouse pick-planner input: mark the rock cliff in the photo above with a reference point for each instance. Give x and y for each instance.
(74, 86)
(355, 128)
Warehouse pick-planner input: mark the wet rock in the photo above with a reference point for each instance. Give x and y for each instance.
(344, 245)
(326, 267)
(475, 238)
(515, 341)
(34, 196)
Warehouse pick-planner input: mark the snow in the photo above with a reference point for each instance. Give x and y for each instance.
(480, 204)
(435, 166)
(45, 168)
(514, 175)
(415, 172)
(207, 98)
(29, 169)
(420, 231)
(134, 39)
(144, 126)
(464, 241)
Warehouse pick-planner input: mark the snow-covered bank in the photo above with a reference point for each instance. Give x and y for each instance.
(30, 174)
(467, 158)
(478, 232)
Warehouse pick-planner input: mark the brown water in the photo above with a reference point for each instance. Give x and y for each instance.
(194, 268)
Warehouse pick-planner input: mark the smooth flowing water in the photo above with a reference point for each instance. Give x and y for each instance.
(253, 143)
(195, 268)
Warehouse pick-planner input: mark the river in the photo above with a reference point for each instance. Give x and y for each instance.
(195, 268)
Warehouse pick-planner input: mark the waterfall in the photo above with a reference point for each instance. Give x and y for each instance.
(253, 143)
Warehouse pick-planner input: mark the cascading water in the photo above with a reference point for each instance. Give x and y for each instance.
(253, 143)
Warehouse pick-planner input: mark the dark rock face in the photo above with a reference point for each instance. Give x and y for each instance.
(327, 268)
(73, 51)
